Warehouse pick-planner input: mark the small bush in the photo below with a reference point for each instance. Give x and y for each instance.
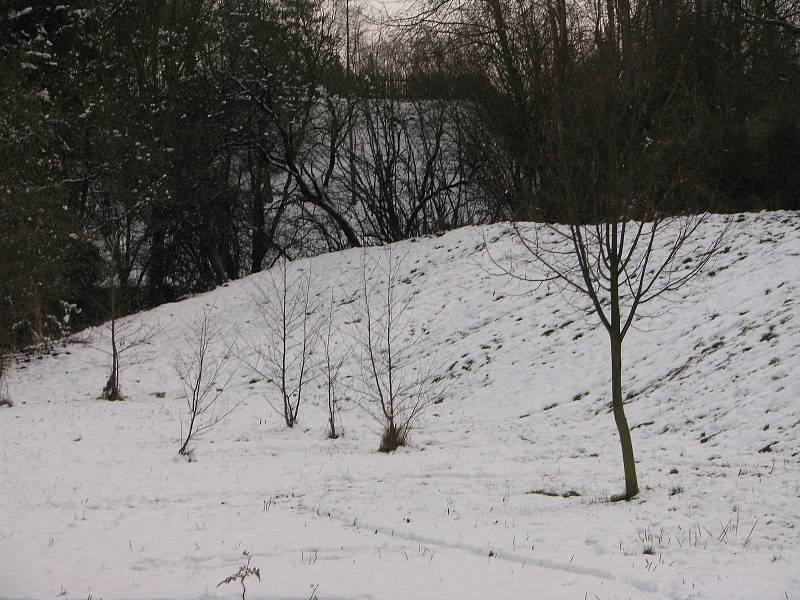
(393, 437)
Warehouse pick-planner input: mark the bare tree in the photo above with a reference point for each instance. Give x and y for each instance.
(304, 126)
(407, 169)
(591, 133)
(202, 373)
(111, 389)
(395, 383)
(620, 265)
(622, 231)
(291, 333)
(123, 336)
(331, 368)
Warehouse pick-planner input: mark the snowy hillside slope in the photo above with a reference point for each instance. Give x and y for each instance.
(502, 492)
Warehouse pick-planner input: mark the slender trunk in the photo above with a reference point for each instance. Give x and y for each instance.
(214, 259)
(613, 246)
(185, 446)
(114, 363)
(522, 118)
(627, 51)
(111, 389)
(288, 417)
(628, 461)
(331, 416)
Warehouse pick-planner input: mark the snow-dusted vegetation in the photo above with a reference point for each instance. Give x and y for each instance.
(484, 299)
(503, 487)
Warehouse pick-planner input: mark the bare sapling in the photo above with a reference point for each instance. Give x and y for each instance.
(395, 382)
(111, 390)
(619, 265)
(123, 336)
(291, 334)
(331, 367)
(204, 379)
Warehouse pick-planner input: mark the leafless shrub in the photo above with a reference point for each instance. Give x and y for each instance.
(395, 383)
(202, 374)
(291, 333)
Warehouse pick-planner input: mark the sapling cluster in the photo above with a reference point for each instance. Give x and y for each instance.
(391, 380)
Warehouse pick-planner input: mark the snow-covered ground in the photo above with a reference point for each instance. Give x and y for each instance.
(95, 502)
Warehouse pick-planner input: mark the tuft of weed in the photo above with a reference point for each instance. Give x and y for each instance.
(393, 437)
(553, 494)
(769, 335)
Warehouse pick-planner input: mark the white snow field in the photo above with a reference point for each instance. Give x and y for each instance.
(96, 503)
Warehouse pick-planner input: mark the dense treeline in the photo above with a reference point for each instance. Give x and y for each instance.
(692, 99)
(150, 149)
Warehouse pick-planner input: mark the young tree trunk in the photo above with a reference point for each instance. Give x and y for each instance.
(628, 462)
(185, 447)
(615, 332)
(111, 389)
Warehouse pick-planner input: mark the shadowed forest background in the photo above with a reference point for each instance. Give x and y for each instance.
(153, 149)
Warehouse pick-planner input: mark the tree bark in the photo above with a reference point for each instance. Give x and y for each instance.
(614, 243)
(628, 461)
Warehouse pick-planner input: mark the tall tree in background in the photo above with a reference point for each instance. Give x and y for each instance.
(34, 219)
(739, 60)
(289, 57)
